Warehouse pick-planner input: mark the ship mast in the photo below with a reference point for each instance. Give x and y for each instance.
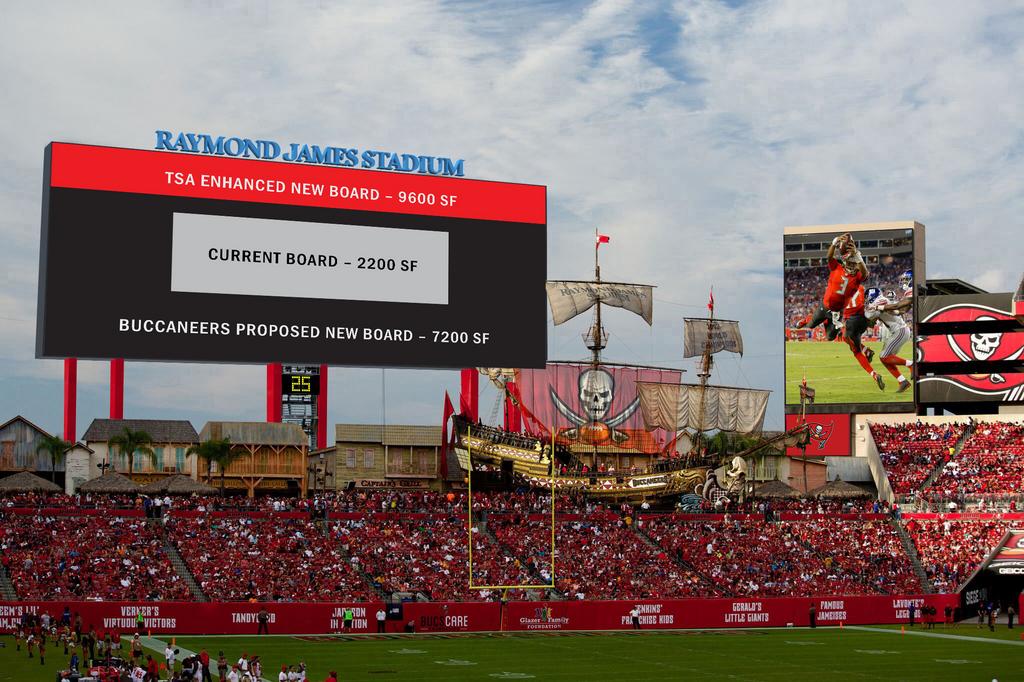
(706, 363)
(596, 339)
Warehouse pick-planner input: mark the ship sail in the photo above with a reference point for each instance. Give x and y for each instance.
(724, 335)
(702, 408)
(569, 298)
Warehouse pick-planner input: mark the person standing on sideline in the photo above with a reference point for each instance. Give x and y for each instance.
(812, 615)
(381, 617)
(1010, 613)
(263, 617)
(283, 675)
(222, 665)
(913, 610)
(204, 660)
(170, 655)
(349, 617)
(992, 619)
(634, 615)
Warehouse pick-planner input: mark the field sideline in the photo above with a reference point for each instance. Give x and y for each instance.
(833, 372)
(779, 654)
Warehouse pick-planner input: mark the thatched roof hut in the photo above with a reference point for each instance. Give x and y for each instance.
(178, 484)
(110, 483)
(776, 490)
(26, 482)
(839, 490)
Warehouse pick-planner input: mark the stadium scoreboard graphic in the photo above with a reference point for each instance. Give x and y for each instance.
(970, 350)
(849, 299)
(157, 255)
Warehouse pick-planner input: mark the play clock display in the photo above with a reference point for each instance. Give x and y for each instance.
(300, 384)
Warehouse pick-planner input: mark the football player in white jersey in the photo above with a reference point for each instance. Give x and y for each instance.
(886, 308)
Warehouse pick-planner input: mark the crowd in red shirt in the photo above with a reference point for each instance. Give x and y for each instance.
(910, 452)
(87, 557)
(990, 465)
(240, 559)
(600, 560)
(428, 555)
(951, 549)
(813, 557)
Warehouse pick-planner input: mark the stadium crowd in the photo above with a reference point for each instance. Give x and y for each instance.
(804, 286)
(951, 549)
(240, 559)
(600, 560)
(87, 557)
(427, 555)
(989, 467)
(910, 452)
(812, 557)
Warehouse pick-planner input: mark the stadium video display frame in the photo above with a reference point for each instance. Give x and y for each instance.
(823, 306)
(166, 256)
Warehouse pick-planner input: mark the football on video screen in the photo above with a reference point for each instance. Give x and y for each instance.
(849, 310)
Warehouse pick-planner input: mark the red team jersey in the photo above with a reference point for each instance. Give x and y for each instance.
(841, 286)
(855, 306)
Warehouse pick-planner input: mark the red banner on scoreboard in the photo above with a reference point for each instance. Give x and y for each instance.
(112, 169)
(830, 435)
(594, 406)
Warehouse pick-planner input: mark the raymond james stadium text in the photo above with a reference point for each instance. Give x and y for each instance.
(344, 157)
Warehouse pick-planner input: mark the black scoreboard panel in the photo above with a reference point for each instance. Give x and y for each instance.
(176, 257)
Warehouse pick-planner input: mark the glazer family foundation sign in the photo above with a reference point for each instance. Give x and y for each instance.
(222, 255)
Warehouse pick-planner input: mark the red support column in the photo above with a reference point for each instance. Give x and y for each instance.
(117, 388)
(274, 392)
(70, 398)
(469, 396)
(321, 410)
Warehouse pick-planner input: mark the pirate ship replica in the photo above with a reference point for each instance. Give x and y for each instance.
(636, 432)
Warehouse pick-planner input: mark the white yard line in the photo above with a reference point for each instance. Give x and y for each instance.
(938, 635)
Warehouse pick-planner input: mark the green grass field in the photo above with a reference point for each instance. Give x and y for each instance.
(782, 654)
(837, 377)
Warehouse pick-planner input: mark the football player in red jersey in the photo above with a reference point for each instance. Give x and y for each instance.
(846, 272)
(856, 323)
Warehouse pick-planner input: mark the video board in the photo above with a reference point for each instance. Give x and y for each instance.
(848, 306)
(979, 350)
(150, 255)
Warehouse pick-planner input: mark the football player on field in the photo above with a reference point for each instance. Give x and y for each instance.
(886, 308)
(855, 326)
(846, 272)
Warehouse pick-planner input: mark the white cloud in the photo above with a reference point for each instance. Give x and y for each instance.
(691, 154)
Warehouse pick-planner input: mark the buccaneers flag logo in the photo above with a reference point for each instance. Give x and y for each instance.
(820, 433)
(983, 347)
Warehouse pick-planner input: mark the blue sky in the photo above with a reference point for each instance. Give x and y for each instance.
(690, 132)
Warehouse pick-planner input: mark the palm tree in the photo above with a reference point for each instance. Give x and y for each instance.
(56, 447)
(131, 443)
(217, 450)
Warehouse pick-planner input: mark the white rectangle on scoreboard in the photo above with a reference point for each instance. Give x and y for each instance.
(263, 257)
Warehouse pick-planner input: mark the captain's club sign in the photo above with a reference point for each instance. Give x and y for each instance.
(295, 152)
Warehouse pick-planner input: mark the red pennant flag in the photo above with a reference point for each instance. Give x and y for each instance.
(711, 300)
(603, 239)
(449, 410)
